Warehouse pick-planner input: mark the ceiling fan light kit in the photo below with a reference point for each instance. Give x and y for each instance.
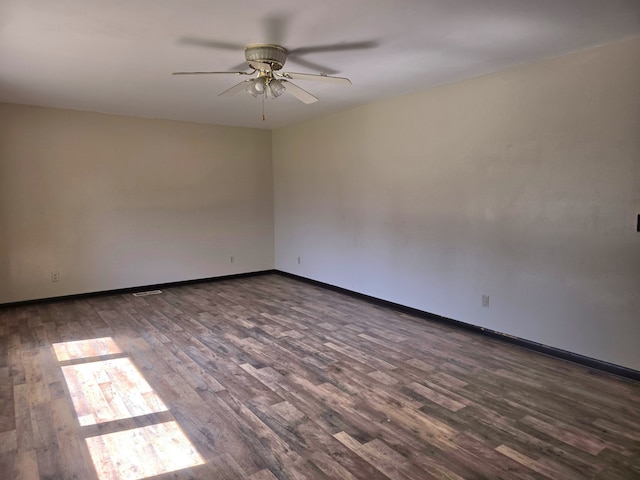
(264, 84)
(266, 61)
(275, 88)
(256, 87)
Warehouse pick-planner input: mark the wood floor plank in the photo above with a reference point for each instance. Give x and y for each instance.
(266, 378)
(388, 466)
(25, 466)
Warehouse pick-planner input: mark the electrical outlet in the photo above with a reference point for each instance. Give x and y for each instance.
(231, 260)
(55, 277)
(485, 300)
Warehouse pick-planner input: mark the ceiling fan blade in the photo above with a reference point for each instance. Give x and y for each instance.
(239, 87)
(311, 65)
(239, 67)
(211, 73)
(203, 42)
(299, 93)
(336, 47)
(312, 76)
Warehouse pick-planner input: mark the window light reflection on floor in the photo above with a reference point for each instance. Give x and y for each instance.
(126, 454)
(108, 390)
(114, 389)
(85, 348)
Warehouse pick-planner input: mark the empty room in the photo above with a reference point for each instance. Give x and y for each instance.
(289, 240)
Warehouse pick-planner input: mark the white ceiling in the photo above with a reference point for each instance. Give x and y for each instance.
(116, 56)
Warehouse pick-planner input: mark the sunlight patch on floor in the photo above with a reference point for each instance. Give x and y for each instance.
(114, 389)
(94, 347)
(142, 452)
(108, 390)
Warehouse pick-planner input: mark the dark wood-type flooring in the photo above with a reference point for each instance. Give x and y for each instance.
(267, 377)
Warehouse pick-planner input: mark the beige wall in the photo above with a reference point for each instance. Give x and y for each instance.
(113, 202)
(523, 185)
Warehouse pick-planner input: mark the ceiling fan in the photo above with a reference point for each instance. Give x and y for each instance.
(266, 62)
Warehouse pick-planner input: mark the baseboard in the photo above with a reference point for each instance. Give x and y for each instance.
(119, 291)
(538, 347)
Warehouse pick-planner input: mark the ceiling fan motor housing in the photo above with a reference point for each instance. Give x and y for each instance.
(273, 55)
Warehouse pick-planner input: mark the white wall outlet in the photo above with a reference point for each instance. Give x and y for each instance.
(298, 260)
(231, 260)
(485, 300)
(55, 276)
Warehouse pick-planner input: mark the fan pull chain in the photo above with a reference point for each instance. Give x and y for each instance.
(263, 118)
